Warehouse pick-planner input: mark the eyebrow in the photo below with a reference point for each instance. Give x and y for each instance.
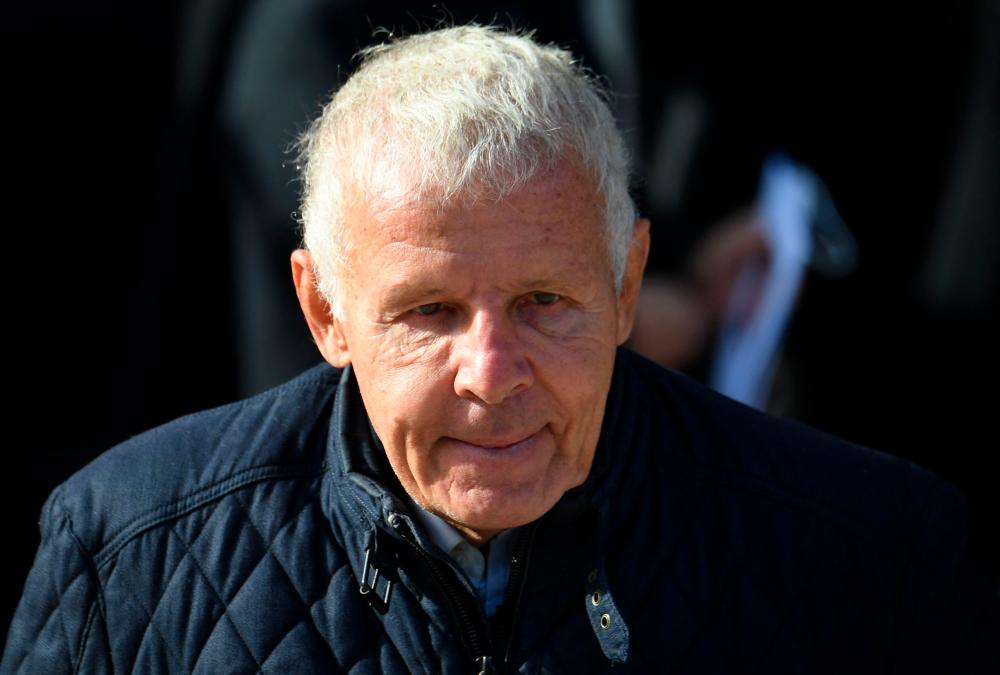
(535, 284)
(405, 294)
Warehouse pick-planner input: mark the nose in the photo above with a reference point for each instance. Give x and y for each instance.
(492, 363)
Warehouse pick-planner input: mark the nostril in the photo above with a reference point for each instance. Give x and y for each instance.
(493, 382)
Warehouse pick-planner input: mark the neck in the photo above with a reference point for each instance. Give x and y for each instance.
(478, 538)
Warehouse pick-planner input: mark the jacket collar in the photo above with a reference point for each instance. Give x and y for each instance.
(355, 456)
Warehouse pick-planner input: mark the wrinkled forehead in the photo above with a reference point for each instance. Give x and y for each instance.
(562, 193)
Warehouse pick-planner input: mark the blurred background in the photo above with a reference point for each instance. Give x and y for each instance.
(151, 201)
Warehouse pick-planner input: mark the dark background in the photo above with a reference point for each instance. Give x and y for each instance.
(150, 207)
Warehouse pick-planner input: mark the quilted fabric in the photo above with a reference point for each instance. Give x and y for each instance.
(708, 539)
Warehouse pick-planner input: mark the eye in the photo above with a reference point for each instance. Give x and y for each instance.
(545, 298)
(428, 309)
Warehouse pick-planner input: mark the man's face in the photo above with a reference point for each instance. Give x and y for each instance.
(483, 340)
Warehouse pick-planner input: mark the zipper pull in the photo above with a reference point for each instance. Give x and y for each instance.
(370, 575)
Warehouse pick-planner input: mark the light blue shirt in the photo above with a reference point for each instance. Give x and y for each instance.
(487, 573)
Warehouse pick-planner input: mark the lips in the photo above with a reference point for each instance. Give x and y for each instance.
(497, 443)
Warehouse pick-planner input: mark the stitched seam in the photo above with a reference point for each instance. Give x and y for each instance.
(107, 641)
(338, 658)
(360, 509)
(166, 585)
(90, 570)
(309, 609)
(195, 500)
(269, 552)
(282, 640)
(150, 624)
(224, 612)
(60, 594)
(211, 631)
(225, 607)
(267, 548)
(83, 638)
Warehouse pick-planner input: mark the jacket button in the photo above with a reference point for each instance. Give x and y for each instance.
(393, 520)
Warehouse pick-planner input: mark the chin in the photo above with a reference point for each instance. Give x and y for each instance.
(490, 509)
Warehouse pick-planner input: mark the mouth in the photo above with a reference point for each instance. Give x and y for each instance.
(500, 443)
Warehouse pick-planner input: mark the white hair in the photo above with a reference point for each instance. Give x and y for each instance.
(469, 112)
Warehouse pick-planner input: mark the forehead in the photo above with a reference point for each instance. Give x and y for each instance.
(555, 220)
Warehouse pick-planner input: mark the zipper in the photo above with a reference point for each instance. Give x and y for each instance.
(515, 588)
(465, 609)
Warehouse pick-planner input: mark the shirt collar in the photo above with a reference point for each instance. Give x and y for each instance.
(444, 535)
(488, 570)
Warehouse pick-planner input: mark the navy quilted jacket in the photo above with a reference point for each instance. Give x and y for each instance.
(708, 538)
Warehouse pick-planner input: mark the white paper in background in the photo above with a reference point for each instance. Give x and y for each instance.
(749, 345)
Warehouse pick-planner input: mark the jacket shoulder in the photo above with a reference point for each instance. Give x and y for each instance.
(197, 458)
(753, 455)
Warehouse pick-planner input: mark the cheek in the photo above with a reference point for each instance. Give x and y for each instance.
(577, 374)
(574, 361)
(400, 347)
(405, 411)
(407, 389)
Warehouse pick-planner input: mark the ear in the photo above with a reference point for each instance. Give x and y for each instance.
(632, 281)
(327, 330)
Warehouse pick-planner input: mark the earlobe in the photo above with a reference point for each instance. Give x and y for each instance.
(327, 330)
(632, 280)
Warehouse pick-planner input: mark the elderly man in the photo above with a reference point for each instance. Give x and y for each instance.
(479, 479)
